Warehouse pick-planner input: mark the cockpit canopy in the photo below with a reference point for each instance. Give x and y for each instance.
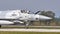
(25, 11)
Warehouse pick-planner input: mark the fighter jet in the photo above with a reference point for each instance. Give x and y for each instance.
(19, 16)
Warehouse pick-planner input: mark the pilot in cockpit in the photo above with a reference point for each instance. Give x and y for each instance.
(25, 11)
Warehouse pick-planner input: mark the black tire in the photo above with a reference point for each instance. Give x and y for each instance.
(0, 26)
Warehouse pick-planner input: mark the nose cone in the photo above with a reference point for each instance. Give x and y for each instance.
(44, 17)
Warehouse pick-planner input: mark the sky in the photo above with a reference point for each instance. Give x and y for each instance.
(32, 5)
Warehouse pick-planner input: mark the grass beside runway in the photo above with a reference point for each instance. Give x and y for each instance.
(6, 32)
(30, 27)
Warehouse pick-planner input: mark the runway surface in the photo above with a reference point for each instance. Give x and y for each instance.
(32, 30)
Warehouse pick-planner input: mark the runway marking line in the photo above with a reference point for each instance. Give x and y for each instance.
(32, 30)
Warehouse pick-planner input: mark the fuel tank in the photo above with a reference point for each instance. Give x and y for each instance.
(3, 22)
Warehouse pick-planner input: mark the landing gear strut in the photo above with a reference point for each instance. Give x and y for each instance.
(27, 25)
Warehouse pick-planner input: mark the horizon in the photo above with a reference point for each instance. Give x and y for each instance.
(32, 5)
